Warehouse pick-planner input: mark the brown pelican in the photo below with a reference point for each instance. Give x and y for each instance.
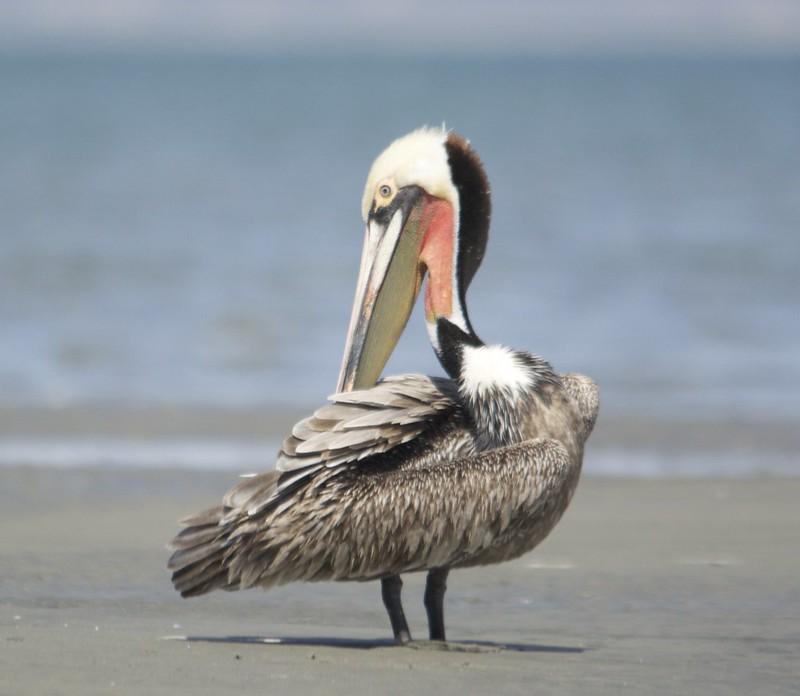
(412, 473)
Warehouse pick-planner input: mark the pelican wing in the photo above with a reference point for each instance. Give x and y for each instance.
(359, 424)
(352, 427)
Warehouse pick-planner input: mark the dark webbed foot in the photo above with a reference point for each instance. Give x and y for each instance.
(435, 588)
(390, 591)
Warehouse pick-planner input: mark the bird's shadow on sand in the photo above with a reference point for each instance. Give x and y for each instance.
(477, 646)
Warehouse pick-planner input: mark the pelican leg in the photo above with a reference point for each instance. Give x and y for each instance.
(434, 601)
(390, 591)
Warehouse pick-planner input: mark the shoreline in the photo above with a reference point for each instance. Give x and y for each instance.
(165, 421)
(247, 438)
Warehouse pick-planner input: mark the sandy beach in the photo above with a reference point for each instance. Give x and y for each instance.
(664, 587)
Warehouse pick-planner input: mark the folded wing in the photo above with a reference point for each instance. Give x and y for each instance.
(358, 424)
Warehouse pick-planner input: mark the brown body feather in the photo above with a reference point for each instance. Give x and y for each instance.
(392, 480)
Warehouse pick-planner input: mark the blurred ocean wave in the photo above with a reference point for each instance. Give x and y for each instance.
(244, 458)
(185, 230)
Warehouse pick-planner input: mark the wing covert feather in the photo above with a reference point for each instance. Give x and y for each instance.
(358, 424)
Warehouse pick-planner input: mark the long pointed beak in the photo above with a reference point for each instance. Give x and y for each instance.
(388, 284)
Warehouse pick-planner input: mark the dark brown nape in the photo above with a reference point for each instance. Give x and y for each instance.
(475, 203)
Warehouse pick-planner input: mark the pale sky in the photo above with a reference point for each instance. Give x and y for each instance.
(407, 26)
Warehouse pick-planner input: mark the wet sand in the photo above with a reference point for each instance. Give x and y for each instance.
(667, 587)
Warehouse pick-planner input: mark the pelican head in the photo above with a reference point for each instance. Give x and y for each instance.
(426, 208)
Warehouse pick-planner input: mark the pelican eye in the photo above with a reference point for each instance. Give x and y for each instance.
(385, 191)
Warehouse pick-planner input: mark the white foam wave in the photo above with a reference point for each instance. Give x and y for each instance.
(188, 454)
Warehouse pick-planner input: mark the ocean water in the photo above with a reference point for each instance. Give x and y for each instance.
(186, 230)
